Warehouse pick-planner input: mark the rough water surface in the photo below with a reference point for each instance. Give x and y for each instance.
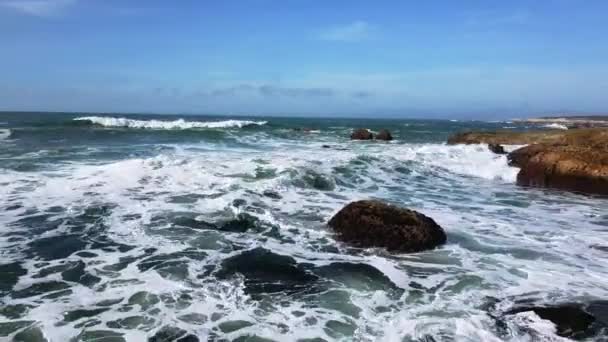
(131, 228)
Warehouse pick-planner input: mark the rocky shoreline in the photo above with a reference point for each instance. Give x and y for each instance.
(572, 121)
(575, 160)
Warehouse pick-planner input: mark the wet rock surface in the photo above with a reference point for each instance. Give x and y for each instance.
(575, 160)
(373, 223)
(384, 134)
(362, 134)
(497, 148)
(572, 320)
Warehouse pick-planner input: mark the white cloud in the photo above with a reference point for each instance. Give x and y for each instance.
(39, 8)
(353, 32)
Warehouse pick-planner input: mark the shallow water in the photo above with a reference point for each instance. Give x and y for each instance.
(147, 227)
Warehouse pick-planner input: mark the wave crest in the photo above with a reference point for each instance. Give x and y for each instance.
(5, 133)
(555, 126)
(161, 124)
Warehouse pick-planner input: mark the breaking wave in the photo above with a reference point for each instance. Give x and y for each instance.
(5, 133)
(555, 126)
(161, 124)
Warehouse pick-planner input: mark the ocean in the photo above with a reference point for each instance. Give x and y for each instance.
(193, 228)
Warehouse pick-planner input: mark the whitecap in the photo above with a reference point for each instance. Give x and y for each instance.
(555, 126)
(5, 134)
(162, 124)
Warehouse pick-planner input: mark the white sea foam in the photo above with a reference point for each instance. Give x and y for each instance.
(161, 124)
(556, 126)
(5, 133)
(502, 241)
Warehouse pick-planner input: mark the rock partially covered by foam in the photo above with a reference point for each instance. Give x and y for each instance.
(575, 160)
(376, 224)
(572, 320)
(384, 134)
(497, 148)
(362, 134)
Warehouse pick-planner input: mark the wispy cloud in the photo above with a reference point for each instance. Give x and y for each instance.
(39, 8)
(353, 32)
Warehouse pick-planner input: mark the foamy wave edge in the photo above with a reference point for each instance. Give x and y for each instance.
(5, 133)
(160, 124)
(556, 126)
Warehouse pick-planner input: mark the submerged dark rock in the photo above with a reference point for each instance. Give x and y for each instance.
(271, 194)
(267, 272)
(497, 148)
(384, 134)
(362, 276)
(362, 134)
(572, 320)
(376, 224)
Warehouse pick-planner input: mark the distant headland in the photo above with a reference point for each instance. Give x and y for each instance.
(571, 121)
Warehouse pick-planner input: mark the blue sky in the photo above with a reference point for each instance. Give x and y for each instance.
(468, 59)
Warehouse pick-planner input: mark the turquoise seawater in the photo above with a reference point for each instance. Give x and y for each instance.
(192, 228)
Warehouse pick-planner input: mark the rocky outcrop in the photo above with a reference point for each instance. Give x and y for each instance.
(362, 134)
(384, 134)
(497, 148)
(376, 224)
(508, 137)
(579, 137)
(575, 160)
(568, 167)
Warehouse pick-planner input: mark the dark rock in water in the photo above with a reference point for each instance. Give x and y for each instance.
(497, 148)
(271, 194)
(242, 223)
(575, 321)
(267, 272)
(362, 134)
(384, 134)
(360, 276)
(376, 224)
(239, 202)
(326, 146)
(312, 179)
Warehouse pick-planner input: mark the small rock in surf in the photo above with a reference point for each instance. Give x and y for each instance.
(497, 148)
(362, 134)
(384, 134)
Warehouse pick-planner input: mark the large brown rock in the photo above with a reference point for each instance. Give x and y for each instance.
(376, 224)
(384, 134)
(362, 134)
(568, 167)
(575, 159)
(583, 137)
